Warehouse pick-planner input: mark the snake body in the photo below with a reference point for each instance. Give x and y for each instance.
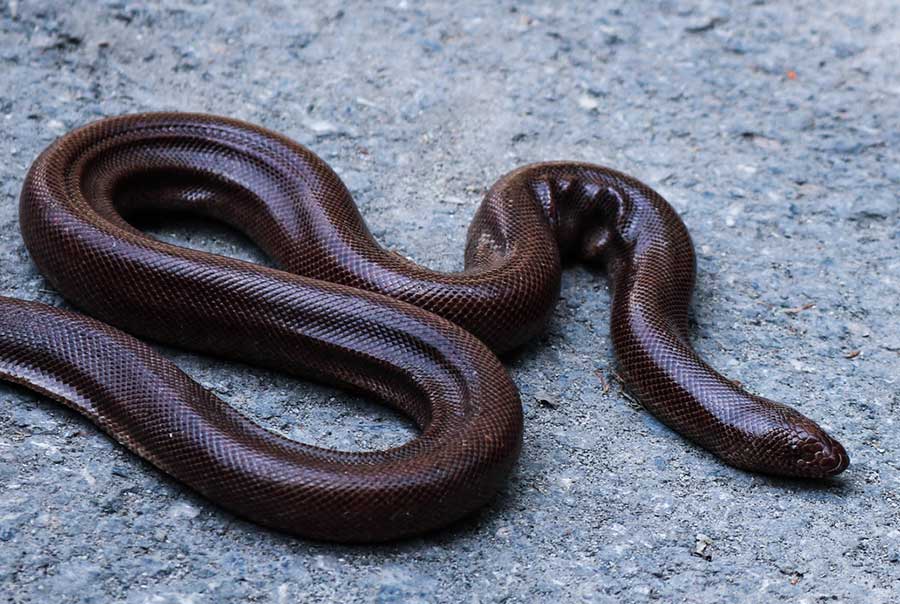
(344, 310)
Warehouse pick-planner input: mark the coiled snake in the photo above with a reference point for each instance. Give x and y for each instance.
(346, 311)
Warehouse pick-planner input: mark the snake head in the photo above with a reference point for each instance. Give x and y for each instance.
(777, 439)
(796, 446)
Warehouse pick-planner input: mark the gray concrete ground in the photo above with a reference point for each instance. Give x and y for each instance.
(771, 126)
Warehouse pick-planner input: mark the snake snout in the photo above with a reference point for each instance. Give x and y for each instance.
(822, 456)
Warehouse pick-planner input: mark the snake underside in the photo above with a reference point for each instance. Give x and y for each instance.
(345, 311)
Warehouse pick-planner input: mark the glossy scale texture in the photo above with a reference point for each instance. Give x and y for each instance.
(346, 311)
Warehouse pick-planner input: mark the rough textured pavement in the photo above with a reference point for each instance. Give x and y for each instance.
(771, 126)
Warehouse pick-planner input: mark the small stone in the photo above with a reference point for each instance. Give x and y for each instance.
(891, 343)
(7, 533)
(183, 510)
(705, 24)
(545, 399)
(768, 144)
(702, 546)
(875, 206)
(321, 126)
(120, 471)
(588, 102)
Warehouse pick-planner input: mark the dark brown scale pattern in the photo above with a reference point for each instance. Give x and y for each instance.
(345, 311)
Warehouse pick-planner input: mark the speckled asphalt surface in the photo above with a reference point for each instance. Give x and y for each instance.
(771, 126)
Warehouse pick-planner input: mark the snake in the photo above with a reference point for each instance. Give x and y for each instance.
(343, 310)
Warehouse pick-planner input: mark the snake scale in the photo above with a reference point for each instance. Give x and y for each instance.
(343, 310)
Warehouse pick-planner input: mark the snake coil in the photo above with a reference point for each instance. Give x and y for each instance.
(346, 311)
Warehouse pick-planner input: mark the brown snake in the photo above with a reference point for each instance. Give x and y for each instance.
(346, 311)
